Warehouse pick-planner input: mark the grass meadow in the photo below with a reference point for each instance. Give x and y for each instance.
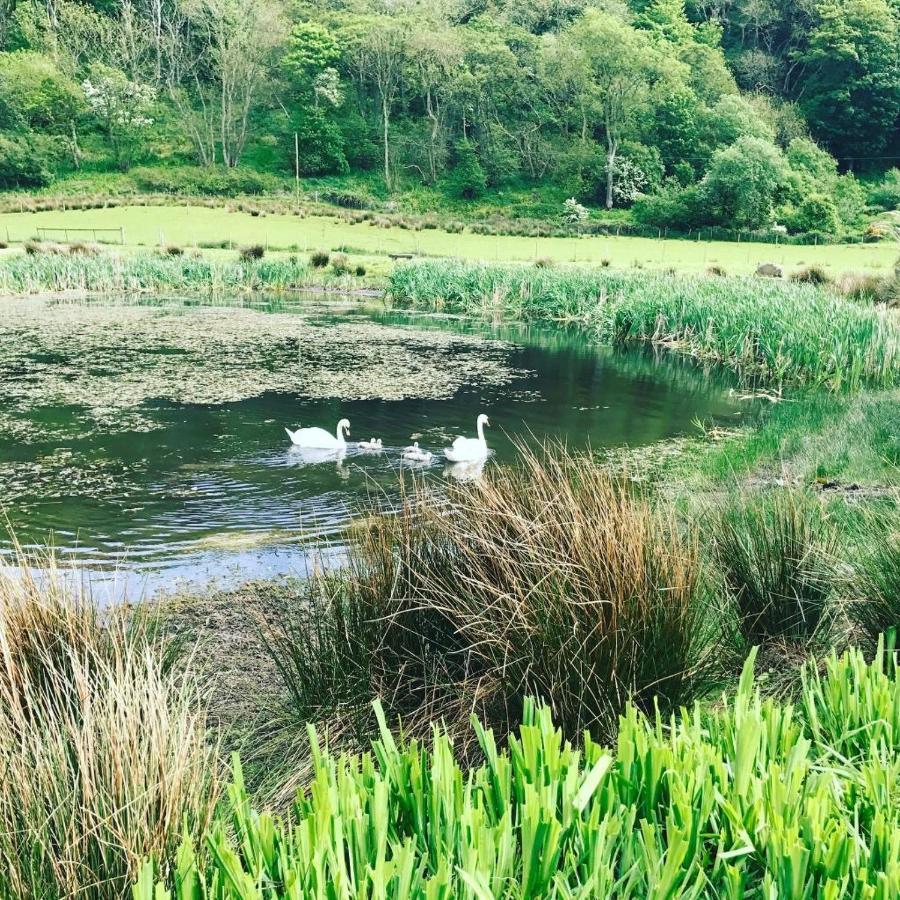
(187, 226)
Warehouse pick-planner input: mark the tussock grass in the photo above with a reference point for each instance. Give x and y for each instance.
(753, 797)
(775, 551)
(550, 578)
(103, 748)
(785, 333)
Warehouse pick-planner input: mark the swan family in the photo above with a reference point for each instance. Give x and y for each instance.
(463, 449)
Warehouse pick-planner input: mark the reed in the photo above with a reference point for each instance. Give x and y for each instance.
(784, 333)
(750, 798)
(103, 748)
(147, 272)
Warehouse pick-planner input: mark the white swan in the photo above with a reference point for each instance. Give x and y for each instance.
(319, 438)
(371, 444)
(470, 449)
(417, 454)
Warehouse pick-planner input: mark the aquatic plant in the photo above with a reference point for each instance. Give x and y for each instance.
(751, 797)
(786, 333)
(103, 745)
(146, 272)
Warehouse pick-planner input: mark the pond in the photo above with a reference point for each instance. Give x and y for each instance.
(146, 437)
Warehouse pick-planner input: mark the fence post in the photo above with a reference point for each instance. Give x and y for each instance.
(122, 235)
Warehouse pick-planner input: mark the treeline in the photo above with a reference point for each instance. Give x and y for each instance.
(736, 113)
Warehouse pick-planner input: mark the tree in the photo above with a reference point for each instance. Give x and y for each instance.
(621, 63)
(380, 55)
(218, 55)
(468, 179)
(122, 108)
(744, 182)
(851, 92)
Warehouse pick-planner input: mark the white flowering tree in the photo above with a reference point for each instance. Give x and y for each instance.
(574, 214)
(121, 106)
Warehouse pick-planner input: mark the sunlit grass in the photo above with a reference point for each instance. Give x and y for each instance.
(151, 226)
(751, 797)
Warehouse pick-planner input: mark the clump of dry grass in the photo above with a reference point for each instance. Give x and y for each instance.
(103, 747)
(548, 579)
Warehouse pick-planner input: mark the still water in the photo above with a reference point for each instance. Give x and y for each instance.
(146, 437)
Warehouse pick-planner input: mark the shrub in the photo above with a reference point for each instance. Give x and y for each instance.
(544, 262)
(360, 270)
(105, 753)
(716, 271)
(773, 551)
(886, 195)
(340, 265)
(252, 252)
(467, 179)
(173, 250)
(319, 259)
(811, 275)
(24, 163)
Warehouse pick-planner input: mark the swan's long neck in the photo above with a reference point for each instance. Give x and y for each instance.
(340, 434)
(481, 431)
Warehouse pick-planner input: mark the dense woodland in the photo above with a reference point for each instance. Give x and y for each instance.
(743, 113)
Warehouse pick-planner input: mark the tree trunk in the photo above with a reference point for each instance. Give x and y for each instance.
(385, 116)
(612, 147)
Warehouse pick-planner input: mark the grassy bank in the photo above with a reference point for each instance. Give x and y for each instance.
(552, 579)
(783, 333)
(149, 226)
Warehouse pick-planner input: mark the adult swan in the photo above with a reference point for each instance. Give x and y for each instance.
(470, 449)
(319, 438)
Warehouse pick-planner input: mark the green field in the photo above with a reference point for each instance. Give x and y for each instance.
(187, 226)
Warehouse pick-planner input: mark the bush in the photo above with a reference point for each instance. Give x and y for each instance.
(886, 195)
(716, 271)
(319, 259)
(677, 208)
(24, 163)
(360, 270)
(816, 213)
(811, 275)
(213, 180)
(772, 551)
(340, 265)
(252, 252)
(173, 250)
(467, 179)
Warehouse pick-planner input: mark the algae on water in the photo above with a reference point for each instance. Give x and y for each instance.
(110, 361)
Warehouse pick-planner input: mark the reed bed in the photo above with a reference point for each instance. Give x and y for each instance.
(785, 333)
(104, 751)
(752, 798)
(147, 272)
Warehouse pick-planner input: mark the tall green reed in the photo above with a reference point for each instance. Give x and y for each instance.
(784, 333)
